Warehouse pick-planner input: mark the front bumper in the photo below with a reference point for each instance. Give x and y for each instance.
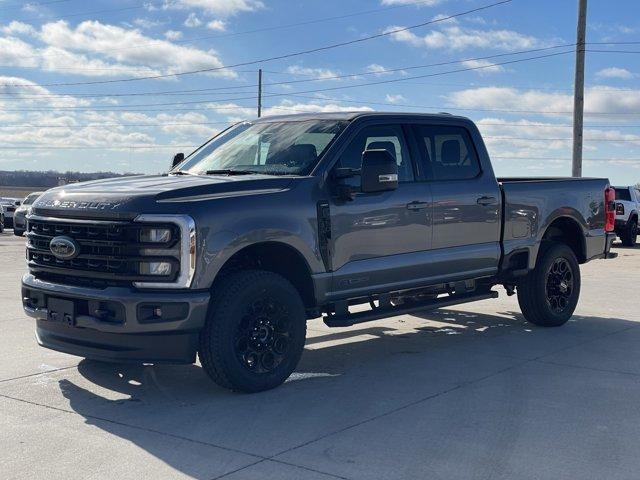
(114, 324)
(19, 221)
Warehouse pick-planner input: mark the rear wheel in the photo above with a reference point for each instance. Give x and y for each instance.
(255, 332)
(549, 294)
(630, 234)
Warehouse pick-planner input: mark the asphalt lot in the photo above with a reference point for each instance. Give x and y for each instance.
(472, 392)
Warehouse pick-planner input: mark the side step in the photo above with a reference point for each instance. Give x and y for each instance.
(382, 312)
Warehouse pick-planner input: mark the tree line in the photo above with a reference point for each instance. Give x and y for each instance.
(51, 178)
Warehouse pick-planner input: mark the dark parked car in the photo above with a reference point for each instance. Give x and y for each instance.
(283, 219)
(9, 206)
(19, 216)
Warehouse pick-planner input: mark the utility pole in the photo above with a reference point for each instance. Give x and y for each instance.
(578, 90)
(259, 93)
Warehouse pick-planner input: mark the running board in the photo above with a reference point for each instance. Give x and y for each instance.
(383, 312)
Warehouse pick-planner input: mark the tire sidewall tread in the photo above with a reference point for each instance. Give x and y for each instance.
(216, 347)
(532, 289)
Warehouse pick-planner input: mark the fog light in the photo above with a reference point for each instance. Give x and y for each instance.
(155, 268)
(155, 235)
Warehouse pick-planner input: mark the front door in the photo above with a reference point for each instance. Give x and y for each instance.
(377, 238)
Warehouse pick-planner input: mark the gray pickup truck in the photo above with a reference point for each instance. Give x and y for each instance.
(283, 219)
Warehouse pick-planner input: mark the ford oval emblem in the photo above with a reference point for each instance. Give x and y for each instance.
(64, 248)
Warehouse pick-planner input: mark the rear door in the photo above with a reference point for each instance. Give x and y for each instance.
(466, 201)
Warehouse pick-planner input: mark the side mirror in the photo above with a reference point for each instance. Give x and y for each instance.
(379, 172)
(177, 159)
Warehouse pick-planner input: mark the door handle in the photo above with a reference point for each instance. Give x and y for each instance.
(417, 205)
(487, 201)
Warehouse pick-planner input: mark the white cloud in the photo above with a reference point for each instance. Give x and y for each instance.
(17, 28)
(483, 66)
(217, 7)
(378, 70)
(521, 140)
(17, 53)
(192, 21)
(236, 112)
(146, 23)
(597, 100)
(615, 72)
(173, 35)
(129, 48)
(395, 98)
(460, 38)
(218, 25)
(319, 73)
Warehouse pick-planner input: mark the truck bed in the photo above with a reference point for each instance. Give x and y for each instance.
(532, 204)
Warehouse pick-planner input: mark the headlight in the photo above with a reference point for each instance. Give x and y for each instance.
(155, 235)
(155, 268)
(167, 235)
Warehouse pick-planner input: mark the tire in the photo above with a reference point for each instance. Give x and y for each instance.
(549, 294)
(18, 233)
(630, 234)
(255, 332)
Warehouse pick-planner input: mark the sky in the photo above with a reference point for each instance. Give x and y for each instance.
(110, 85)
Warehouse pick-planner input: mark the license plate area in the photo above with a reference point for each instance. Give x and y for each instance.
(61, 311)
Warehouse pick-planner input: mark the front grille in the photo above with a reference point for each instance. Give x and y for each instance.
(107, 251)
(11, 209)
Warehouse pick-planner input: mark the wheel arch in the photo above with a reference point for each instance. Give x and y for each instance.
(566, 229)
(276, 257)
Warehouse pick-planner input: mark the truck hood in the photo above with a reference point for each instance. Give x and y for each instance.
(126, 197)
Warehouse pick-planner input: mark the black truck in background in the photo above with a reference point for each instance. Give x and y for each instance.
(283, 219)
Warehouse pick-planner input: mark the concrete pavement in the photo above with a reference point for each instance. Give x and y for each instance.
(472, 392)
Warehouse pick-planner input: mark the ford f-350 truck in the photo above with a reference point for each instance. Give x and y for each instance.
(283, 219)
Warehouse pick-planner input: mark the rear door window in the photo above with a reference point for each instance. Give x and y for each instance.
(623, 194)
(448, 152)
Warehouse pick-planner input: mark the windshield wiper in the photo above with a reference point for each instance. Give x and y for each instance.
(228, 171)
(181, 172)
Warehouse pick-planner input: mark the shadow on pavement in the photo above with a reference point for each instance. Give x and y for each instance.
(345, 377)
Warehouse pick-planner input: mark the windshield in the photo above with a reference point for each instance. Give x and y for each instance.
(31, 198)
(277, 148)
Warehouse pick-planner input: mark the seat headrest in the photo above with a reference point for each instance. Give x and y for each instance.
(295, 155)
(450, 152)
(388, 146)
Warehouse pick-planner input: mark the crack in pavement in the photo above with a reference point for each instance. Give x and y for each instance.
(37, 373)
(441, 393)
(272, 458)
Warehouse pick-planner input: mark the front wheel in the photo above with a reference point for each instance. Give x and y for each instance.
(255, 332)
(630, 234)
(549, 294)
(18, 233)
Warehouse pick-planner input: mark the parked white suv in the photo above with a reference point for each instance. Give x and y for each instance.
(627, 208)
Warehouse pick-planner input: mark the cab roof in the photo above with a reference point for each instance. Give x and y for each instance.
(349, 116)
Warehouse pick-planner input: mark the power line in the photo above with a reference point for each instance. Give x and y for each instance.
(307, 91)
(91, 147)
(96, 125)
(539, 139)
(94, 12)
(564, 159)
(263, 29)
(278, 57)
(35, 4)
(332, 77)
